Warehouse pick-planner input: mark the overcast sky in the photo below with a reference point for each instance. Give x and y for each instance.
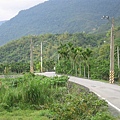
(10, 8)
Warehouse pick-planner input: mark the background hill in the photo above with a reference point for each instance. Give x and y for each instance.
(19, 50)
(58, 16)
(16, 53)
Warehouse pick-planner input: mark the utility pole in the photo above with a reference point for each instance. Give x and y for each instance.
(111, 75)
(41, 58)
(31, 57)
(118, 56)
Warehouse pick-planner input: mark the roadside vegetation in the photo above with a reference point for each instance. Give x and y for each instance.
(38, 97)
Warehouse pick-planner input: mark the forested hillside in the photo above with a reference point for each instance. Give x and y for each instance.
(79, 54)
(59, 16)
(19, 50)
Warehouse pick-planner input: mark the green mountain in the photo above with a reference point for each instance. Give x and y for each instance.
(19, 50)
(59, 16)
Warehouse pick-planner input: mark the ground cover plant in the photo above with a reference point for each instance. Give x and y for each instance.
(40, 97)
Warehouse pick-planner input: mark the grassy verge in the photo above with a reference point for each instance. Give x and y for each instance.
(41, 98)
(24, 115)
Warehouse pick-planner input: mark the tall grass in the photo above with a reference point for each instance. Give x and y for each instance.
(30, 90)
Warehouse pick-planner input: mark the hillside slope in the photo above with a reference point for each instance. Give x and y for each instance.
(58, 16)
(19, 50)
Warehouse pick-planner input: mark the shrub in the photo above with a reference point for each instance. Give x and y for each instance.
(3, 106)
(102, 116)
(80, 107)
(41, 90)
(12, 97)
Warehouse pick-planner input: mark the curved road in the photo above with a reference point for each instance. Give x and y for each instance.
(106, 91)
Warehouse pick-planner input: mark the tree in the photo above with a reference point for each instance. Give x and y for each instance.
(86, 58)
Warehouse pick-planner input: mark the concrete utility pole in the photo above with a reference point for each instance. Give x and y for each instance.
(111, 74)
(31, 57)
(42, 55)
(118, 56)
(41, 59)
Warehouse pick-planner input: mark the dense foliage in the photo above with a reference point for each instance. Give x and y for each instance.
(29, 90)
(86, 62)
(62, 99)
(79, 54)
(18, 52)
(58, 16)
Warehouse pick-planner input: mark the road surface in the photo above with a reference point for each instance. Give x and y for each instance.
(106, 91)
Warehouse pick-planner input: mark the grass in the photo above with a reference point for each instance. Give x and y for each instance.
(42, 98)
(107, 81)
(25, 115)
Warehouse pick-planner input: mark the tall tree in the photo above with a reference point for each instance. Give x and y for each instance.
(86, 56)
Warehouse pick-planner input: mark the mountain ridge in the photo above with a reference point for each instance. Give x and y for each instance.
(58, 16)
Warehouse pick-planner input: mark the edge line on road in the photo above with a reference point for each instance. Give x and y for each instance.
(118, 109)
(108, 102)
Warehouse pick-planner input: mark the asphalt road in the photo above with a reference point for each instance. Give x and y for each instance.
(106, 91)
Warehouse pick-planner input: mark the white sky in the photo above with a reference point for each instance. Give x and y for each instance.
(10, 8)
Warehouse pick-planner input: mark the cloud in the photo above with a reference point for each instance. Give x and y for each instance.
(10, 8)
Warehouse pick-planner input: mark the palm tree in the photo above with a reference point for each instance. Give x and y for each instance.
(63, 58)
(71, 54)
(79, 58)
(63, 51)
(86, 55)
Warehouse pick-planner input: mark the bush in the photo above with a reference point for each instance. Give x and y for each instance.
(12, 97)
(80, 107)
(41, 90)
(36, 92)
(3, 106)
(102, 116)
